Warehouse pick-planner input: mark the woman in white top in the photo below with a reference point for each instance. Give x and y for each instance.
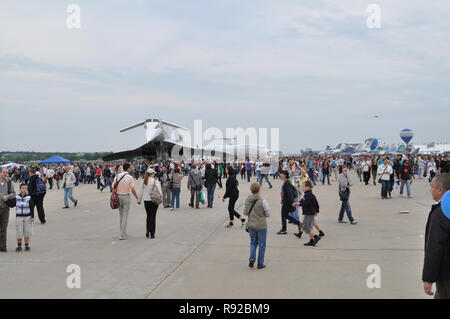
(150, 207)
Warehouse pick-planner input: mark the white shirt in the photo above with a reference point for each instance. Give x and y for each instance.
(385, 172)
(146, 189)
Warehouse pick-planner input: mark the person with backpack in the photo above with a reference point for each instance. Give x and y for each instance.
(68, 181)
(6, 194)
(151, 193)
(37, 189)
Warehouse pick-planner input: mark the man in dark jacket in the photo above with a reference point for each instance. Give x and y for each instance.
(36, 195)
(211, 178)
(436, 267)
(287, 203)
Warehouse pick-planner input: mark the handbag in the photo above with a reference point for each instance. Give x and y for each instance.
(114, 199)
(246, 226)
(155, 195)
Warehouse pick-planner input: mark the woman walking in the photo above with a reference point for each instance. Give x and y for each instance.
(175, 182)
(150, 207)
(232, 192)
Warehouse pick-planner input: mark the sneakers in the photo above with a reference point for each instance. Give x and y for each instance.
(242, 222)
(282, 232)
(230, 225)
(313, 242)
(310, 243)
(316, 239)
(123, 237)
(76, 203)
(27, 248)
(321, 233)
(18, 249)
(251, 263)
(342, 221)
(299, 235)
(191, 205)
(354, 222)
(171, 208)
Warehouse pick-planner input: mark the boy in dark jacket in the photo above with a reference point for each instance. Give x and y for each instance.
(310, 208)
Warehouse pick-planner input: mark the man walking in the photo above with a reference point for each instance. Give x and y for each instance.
(287, 203)
(37, 191)
(195, 185)
(405, 177)
(124, 183)
(436, 267)
(6, 193)
(165, 186)
(68, 181)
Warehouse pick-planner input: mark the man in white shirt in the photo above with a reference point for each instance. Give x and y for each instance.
(384, 174)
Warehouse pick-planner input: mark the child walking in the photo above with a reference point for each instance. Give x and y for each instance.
(310, 208)
(24, 218)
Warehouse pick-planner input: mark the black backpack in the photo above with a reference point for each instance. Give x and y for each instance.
(41, 188)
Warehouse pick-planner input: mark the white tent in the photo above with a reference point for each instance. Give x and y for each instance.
(12, 165)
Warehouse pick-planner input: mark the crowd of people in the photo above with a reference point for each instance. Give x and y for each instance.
(162, 185)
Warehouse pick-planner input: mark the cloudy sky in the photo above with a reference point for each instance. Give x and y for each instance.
(311, 68)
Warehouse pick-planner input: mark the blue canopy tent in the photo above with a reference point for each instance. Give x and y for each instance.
(55, 160)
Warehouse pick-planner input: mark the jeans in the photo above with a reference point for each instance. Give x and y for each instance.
(249, 175)
(175, 195)
(258, 238)
(266, 177)
(77, 179)
(311, 175)
(345, 206)
(68, 194)
(99, 183)
(285, 215)
(108, 182)
(384, 188)
(328, 178)
(408, 187)
(211, 188)
(258, 176)
(295, 214)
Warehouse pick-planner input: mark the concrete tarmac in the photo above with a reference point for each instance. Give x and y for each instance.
(195, 256)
